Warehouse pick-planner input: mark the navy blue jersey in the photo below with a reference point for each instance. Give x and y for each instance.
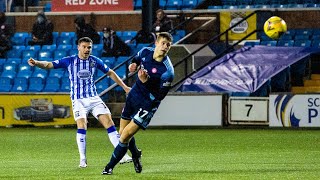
(144, 98)
(81, 74)
(161, 75)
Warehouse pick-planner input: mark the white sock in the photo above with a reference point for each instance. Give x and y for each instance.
(81, 141)
(113, 135)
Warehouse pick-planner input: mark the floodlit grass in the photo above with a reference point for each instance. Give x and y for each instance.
(32, 153)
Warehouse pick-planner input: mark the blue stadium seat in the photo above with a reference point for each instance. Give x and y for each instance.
(20, 84)
(27, 54)
(56, 73)
(96, 53)
(174, 4)
(129, 33)
(215, 7)
(18, 41)
(5, 84)
(262, 6)
(286, 37)
(121, 59)
(9, 74)
(64, 41)
(295, 5)
(58, 54)
(10, 67)
(162, 4)
(251, 43)
(109, 61)
(42, 73)
(51, 47)
(301, 37)
(66, 47)
(73, 52)
(35, 84)
(65, 84)
(45, 55)
(14, 60)
(13, 53)
(33, 48)
(264, 37)
(229, 7)
(229, 2)
(103, 84)
(292, 32)
(189, 4)
(68, 34)
(47, 7)
(181, 33)
(268, 43)
(21, 34)
(302, 43)
(24, 70)
(52, 84)
(287, 43)
(308, 32)
(98, 47)
(316, 43)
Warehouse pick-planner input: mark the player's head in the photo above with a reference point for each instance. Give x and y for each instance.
(84, 47)
(163, 43)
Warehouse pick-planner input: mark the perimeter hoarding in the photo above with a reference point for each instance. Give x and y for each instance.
(299, 110)
(37, 110)
(228, 19)
(91, 5)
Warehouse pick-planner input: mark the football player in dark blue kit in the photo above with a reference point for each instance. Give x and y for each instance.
(155, 75)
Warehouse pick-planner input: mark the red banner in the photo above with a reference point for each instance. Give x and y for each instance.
(92, 5)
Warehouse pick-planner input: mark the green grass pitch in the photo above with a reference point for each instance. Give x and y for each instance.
(48, 153)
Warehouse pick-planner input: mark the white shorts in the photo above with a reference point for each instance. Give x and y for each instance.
(94, 105)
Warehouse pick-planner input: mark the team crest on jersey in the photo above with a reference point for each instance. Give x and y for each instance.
(84, 74)
(154, 70)
(92, 64)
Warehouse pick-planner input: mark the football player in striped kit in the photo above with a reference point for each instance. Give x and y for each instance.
(155, 75)
(84, 97)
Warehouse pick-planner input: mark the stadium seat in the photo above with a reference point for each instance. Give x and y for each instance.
(268, 43)
(14, 60)
(58, 54)
(47, 7)
(162, 4)
(308, 32)
(5, 84)
(138, 5)
(18, 41)
(64, 41)
(51, 47)
(27, 54)
(98, 47)
(68, 34)
(286, 37)
(316, 43)
(129, 33)
(35, 84)
(96, 53)
(251, 43)
(66, 47)
(73, 52)
(52, 84)
(21, 34)
(14, 53)
(287, 43)
(42, 73)
(174, 4)
(65, 84)
(109, 61)
(301, 37)
(121, 59)
(9, 74)
(9, 67)
(103, 84)
(56, 73)
(45, 55)
(189, 4)
(302, 43)
(33, 48)
(20, 84)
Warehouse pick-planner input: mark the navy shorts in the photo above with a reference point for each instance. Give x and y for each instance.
(140, 109)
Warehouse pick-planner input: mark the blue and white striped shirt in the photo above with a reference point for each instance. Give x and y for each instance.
(81, 74)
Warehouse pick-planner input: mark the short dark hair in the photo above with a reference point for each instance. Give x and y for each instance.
(165, 35)
(85, 39)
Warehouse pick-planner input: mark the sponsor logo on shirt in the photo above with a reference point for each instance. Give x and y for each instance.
(166, 84)
(84, 74)
(154, 70)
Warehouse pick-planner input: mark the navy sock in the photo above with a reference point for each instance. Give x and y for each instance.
(132, 147)
(117, 154)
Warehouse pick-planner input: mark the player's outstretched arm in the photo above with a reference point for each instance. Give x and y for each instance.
(40, 64)
(118, 80)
